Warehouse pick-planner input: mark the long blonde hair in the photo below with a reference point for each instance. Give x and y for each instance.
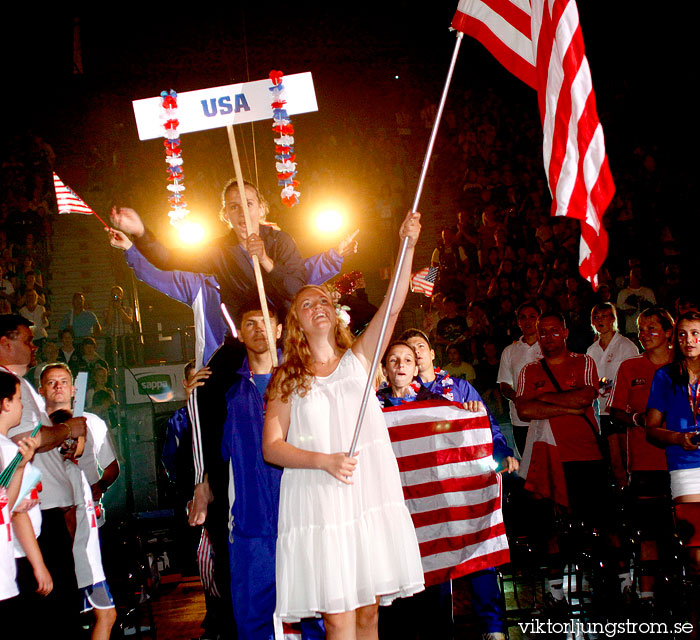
(294, 375)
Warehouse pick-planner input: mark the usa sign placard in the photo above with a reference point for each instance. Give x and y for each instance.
(222, 106)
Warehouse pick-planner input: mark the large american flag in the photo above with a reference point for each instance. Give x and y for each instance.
(540, 42)
(67, 200)
(445, 457)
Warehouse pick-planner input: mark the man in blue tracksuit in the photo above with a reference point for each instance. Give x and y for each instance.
(254, 488)
(201, 293)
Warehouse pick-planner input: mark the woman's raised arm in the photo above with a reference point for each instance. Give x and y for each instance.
(366, 344)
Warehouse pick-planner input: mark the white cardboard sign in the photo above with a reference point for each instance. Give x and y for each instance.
(221, 106)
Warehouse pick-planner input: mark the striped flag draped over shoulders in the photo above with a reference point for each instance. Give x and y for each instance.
(540, 42)
(67, 200)
(445, 458)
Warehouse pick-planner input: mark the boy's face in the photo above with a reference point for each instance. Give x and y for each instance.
(424, 354)
(57, 387)
(233, 211)
(50, 352)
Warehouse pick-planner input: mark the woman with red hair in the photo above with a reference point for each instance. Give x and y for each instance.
(346, 542)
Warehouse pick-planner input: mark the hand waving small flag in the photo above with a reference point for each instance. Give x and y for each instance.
(68, 201)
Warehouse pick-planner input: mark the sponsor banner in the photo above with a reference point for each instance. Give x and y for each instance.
(155, 384)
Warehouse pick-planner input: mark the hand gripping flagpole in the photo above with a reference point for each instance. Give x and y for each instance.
(271, 343)
(369, 387)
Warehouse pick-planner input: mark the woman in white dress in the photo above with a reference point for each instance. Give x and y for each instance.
(346, 542)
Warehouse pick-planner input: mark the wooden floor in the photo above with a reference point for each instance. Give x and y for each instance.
(178, 609)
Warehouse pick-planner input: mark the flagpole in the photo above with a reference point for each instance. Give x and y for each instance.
(436, 124)
(271, 343)
(369, 387)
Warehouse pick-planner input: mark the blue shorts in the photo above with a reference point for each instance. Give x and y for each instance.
(97, 596)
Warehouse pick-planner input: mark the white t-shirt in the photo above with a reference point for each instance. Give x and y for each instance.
(36, 317)
(8, 571)
(98, 453)
(642, 293)
(86, 545)
(608, 362)
(513, 359)
(57, 487)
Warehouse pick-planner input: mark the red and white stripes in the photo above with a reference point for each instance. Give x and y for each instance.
(451, 490)
(540, 41)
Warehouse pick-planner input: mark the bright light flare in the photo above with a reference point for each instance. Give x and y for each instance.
(329, 221)
(191, 233)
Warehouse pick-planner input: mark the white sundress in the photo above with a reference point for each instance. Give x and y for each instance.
(340, 546)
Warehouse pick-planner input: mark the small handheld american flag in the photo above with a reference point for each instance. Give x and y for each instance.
(68, 201)
(423, 281)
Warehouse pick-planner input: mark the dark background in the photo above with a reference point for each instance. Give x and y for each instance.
(641, 60)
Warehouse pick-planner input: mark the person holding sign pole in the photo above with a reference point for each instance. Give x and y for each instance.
(346, 542)
(251, 246)
(229, 258)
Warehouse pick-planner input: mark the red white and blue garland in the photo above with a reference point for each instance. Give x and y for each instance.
(445, 381)
(173, 157)
(284, 150)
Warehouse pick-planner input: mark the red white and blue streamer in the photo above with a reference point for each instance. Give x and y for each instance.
(173, 158)
(285, 158)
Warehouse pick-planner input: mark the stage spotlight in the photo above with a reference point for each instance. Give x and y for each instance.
(191, 232)
(329, 221)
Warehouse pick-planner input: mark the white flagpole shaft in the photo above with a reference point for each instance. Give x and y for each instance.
(256, 263)
(436, 124)
(369, 387)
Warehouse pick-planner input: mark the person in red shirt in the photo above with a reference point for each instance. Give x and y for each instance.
(646, 464)
(563, 464)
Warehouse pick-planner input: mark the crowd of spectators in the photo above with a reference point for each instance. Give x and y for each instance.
(500, 246)
(26, 211)
(27, 204)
